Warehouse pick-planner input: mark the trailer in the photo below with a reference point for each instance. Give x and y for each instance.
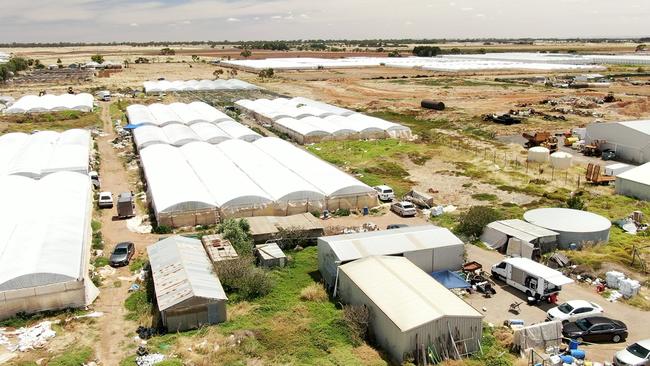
(538, 281)
(125, 205)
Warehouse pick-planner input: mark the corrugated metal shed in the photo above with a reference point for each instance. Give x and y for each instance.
(266, 227)
(407, 295)
(181, 270)
(270, 251)
(497, 233)
(218, 248)
(354, 246)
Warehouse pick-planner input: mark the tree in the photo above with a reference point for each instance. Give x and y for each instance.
(167, 51)
(266, 73)
(640, 48)
(426, 51)
(394, 54)
(475, 219)
(217, 73)
(238, 233)
(60, 63)
(97, 58)
(5, 74)
(575, 202)
(195, 58)
(232, 73)
(246, 53)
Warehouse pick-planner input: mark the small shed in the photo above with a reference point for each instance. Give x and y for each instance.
(429, 247)
(188, 291)
(497, 235)
(218, 248)
(635, 182)
(270, 255)
(409, 309)
(265, 228)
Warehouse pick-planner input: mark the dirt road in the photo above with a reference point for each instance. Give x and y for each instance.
(114, 330)
(497, 307)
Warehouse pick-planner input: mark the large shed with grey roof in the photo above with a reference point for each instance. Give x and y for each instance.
(188, 291)
(409, 309)
(630, 139)
(429, 247)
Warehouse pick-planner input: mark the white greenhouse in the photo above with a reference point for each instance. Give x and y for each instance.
(179, 134)
(409, 309)
(164, 114)
(45, 248)
(162, 86)
(429, 247)
(635, 182)
(51, 103)
(44, 152)
(629, 140)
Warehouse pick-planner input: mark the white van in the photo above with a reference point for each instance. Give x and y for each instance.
(385, 193)
(535, 279)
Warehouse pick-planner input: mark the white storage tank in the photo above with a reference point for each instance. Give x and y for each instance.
(561, 160)
(538, 154)
(574, 226)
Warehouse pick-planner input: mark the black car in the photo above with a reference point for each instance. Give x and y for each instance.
(608, 154)
(122, 254)
(395, 226)
(595, 329)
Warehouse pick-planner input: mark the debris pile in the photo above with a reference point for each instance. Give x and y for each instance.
(27, 338)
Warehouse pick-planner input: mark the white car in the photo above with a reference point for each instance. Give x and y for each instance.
(574, 310)
(385, 193)
(636, 354)
(404, 208)
(105, 200)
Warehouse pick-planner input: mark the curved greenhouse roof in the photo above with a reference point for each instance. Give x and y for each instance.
(43, 244)
(230, 187)
(149, 135)
(193, 85)
(277, 180)
(322, 175)
(179, 135)
(209, 132)
(162, 114)
(172, 182)
(49, 103)
(44, 152)
(238, 131)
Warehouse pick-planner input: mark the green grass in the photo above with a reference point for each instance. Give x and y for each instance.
(137, 305)
(55, 121)
(100, 262)
(485, 197)
(96, 225)
(287, 330)
(72, 357)
(137, 264)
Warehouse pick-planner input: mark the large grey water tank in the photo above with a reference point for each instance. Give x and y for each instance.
(574, 226)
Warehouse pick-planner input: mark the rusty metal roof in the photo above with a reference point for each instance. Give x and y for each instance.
(182, 270)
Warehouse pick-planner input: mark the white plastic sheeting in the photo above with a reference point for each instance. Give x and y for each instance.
(179, 134)
(49, 103)
(237, 178)
(238, 131)
(44, 229)
(196, 85)
(162, 114)
(308, 121)
(44, 152)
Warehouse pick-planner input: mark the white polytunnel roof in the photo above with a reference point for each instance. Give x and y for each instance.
(322, 106)
(148, 135)
(172, 182)
(42, 244)
(238, 131)
(301, 127)
(179, 135)
(161, 114)
(44, 152)
(194, 85)
(278, 181)
(209, 132)
(229, 186)
(322, 175)
(49, 103)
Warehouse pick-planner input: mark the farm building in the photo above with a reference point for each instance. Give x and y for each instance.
(188, 292)
(429, 247)
(409, 309)
(270, 255)
(44, 152)
(498, 234)
(218, 248)
(161, 86)
(52, 103)
(307, 121)
(163, 114)
(628, 139)
(264, 228)
(635, 182)
(617, 168)
(573, 226)
(199, 183)
(45, 248)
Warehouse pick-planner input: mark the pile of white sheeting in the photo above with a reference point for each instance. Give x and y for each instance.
(196, 85)
(308, 121)
(51, 103)
(27, 338)
(44, 152)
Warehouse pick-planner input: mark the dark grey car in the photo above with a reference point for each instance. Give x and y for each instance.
(122, 254)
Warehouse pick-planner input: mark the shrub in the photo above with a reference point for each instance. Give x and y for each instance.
(97, 58)
(291, 237)
(314, 292)
(575, 202)
(137, 305)
(238, 233)
(98, 240)
(242, 277)
(162, 229)
(100, 262)
(95, 225)
(473, 221)
(357, 318)
(484, 197)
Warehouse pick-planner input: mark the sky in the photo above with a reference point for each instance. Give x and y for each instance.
(176, 20)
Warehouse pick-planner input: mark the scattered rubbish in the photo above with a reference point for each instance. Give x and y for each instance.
(613, 278)
(504, 119)
(134, 287)
(614, 296)
(145, 332)
(139, 224)
(94, 314)
(27, 338)
(106, 271)
(149, 359)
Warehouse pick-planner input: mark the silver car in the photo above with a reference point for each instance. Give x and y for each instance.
(636, 354)
(404, 208)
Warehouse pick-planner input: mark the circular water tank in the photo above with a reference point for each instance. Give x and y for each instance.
(538, 154)
(574, 226)
(561, 160)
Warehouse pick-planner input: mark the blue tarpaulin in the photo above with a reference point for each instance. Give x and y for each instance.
(450, 279)
(131, 127)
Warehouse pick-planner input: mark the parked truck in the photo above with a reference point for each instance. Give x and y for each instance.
(125, 205)
(538, 281)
